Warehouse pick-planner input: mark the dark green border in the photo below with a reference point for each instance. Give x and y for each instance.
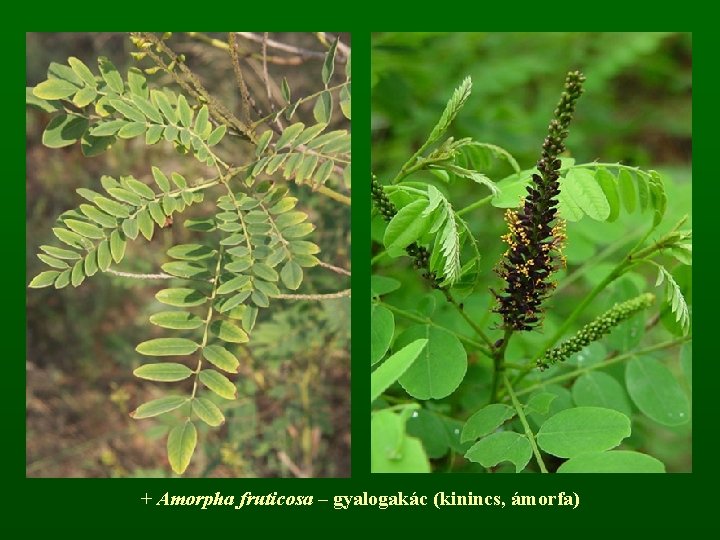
(612, 502)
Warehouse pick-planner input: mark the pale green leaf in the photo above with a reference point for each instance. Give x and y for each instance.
(322, 111)
(181, 297)
(329, 63)
(218, 383)
(216, 136)
(163, 372)
(158, 406)
(208, 412)
(610, 188)
(627, 189)
(177, 320)
(111, 75)
(55, 89)
(181, 446)
(64, 130)
(104, 258)
(167, 347)
(406, 227)
(44, 279)
(82, 71)
(184, 111)
(228, 331)
(583, 189)
(222, 358)
(291, 275)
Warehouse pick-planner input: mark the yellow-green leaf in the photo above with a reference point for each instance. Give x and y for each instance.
(218, 383)
(163, 372)
(167, 347)
(158, 406)
(208, 412)
(227, 331)
(44, 279)
(181, 446)
(220, 357)
(55, 89)
(291, 275)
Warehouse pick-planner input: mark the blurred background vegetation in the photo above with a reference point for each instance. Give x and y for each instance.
(292, 414)
(637, 110)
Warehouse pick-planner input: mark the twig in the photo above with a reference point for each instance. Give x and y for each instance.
(244, 92)
(341, 47)
(266, 78)
(325, 296)
(305, 53)
(294, 469)
(218, 44)
(138, 276)
(335, 269)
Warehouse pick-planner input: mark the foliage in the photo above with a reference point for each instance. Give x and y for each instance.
(250, 246)
(471, 387)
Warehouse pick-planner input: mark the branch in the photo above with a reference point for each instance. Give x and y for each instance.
(325, 296)
(244, 92)
(335, 269)
(305, 53)
(134, 275)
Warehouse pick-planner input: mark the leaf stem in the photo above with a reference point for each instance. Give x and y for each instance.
(477, 204)
(498, 357)
(603, 364)
(426, 320)
(324, 296)
(528, 432)
(473, 325)
(208, 320)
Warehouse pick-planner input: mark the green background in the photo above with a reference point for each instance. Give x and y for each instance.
(607, 502)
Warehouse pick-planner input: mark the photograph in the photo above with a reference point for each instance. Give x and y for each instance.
(531, 252)
(188, 255)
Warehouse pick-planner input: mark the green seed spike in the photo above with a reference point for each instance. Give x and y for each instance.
(601, 326)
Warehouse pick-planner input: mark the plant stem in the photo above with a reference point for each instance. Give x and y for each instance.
(605, 363)
(134, 275)
(473, 206)
(426, 320)
(324, 296)
(473, 325)
(377, 257)
(498, 357)
(208, 320)
(609, 250)
(334, 195)
(528, 432)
